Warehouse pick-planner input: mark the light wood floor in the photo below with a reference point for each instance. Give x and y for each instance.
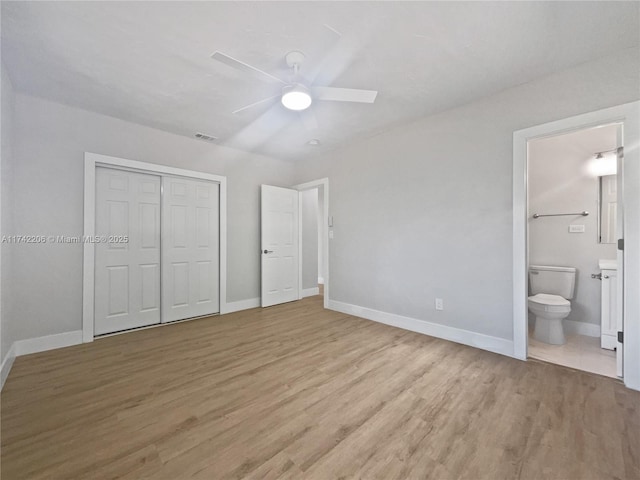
(298, 392)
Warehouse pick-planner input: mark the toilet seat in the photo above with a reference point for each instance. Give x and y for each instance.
(549, 303)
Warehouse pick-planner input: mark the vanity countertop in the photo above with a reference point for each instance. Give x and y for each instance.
(608, 264)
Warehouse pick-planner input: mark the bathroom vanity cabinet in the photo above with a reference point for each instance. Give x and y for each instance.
(608, 325)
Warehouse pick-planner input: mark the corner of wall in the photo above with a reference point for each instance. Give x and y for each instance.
(7, 363)
(37, 345)
(6, 215)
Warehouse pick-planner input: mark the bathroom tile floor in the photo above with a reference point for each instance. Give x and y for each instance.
(580, 352)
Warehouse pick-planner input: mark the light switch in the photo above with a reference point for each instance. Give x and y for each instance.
(330, 233)
(576, 228)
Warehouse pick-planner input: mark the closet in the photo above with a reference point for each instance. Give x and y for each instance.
(157, 255)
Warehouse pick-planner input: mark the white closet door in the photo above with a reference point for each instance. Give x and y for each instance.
(190, 248)
(127, 282)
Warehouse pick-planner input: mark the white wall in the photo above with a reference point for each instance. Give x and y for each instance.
(49, 144)
(559, 183)
(309, 201)
(6, 213)
(425, 210)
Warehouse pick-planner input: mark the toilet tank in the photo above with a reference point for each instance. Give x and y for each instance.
(552, 280)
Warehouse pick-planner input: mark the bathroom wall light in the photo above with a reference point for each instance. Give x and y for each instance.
(603, 163)
(296, 97)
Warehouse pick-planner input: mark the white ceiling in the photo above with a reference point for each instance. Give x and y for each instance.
(149, 62)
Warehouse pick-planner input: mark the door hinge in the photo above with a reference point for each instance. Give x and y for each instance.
(620, 337)
(621, 244)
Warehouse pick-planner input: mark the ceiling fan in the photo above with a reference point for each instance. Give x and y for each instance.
(296, 95)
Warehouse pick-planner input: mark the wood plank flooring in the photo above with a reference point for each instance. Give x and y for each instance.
(297, 392)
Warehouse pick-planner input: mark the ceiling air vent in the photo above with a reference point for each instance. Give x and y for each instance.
(205, 137)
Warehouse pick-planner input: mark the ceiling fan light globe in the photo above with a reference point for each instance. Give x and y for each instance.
(296, 98)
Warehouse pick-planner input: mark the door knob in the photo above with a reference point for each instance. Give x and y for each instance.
(598, 276)
(267, 251)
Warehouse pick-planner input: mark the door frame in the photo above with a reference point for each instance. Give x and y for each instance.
(629, 115)
(93, 160)
(324, 184)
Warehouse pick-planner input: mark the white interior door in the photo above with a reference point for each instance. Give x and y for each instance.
(279, 238)
(190, 248)
(608, 208)
(620, 257)
(127, 267)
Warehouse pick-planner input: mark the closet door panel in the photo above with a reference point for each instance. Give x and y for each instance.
(190, 248)
(127, 258)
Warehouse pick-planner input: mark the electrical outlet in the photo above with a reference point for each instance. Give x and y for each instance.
(576, 228)
(439, 304)
(330, 233)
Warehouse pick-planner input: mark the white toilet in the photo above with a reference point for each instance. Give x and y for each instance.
(551, 289)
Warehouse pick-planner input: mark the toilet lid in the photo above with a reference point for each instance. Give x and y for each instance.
(546, 299)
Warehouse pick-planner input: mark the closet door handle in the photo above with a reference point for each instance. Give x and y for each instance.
(267, 251)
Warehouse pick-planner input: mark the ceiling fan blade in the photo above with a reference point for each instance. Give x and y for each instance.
(309, 120)
(244, 67)
(344, 94)
(255, 104)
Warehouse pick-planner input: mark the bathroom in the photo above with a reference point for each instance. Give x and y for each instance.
(572, 210)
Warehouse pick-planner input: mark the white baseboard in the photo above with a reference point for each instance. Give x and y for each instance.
(320, 281)
(48, 342)
(35, 345)
(242, 305)
(581, 328)
(7, 363)
(310, 292)
(466, 337)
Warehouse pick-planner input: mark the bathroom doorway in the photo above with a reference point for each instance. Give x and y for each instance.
(314, 239)
(572, 215)
(627, 273)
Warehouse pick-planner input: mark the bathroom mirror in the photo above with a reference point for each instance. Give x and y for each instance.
(607, 209)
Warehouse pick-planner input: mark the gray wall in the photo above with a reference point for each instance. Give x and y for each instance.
(6, 212)
(49, 144)
(559, 182)
(425, 210)
(309, 200)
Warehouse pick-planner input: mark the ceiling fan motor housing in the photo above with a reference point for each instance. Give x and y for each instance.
(294, 58)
